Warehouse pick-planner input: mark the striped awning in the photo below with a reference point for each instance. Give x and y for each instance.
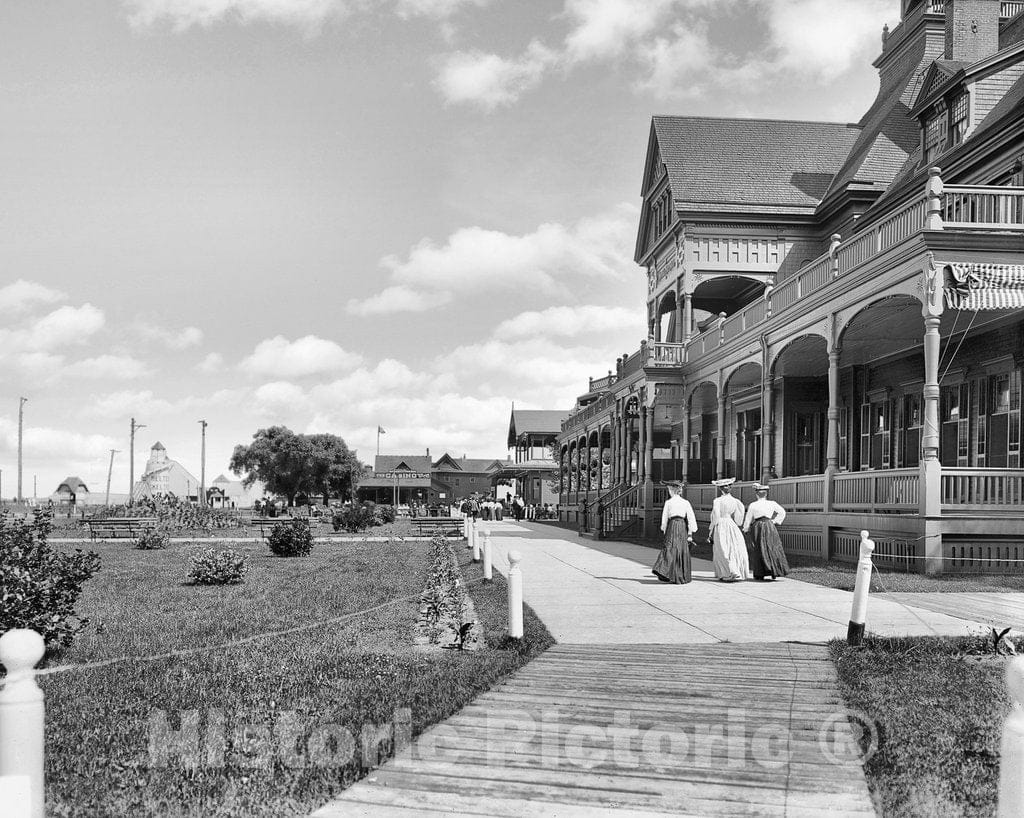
(985, 286)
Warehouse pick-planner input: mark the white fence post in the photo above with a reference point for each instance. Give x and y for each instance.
(858, 615)
(488, 573)
(22, 721)
(1011, 754)
(515, 595)
(473, 540)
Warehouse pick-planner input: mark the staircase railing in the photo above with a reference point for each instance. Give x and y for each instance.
(615, 508)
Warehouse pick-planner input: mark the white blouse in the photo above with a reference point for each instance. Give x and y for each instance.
(725, 507)
(764, 508)
(678, 507)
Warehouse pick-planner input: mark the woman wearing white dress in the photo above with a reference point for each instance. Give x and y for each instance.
(766, 555)
(679, 525)
(729, 550)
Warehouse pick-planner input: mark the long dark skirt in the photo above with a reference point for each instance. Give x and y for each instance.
(767, 559)
(673, 563)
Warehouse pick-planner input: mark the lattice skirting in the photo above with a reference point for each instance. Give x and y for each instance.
(803, 541)
(893, 551)
(983, 556)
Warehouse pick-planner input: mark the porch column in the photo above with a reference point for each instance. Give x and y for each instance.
(613, 434)
(931, 469)
(681, 332)
(687, 316)
(832, 445)
(767, 428)
(641, 459)
(627, 461)
(649, 450)
(586, 455)
(600, 459)
(720, 465)
(686, 439)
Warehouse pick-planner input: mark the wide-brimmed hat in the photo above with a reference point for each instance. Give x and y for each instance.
(760, 487)
(675, 483)
(725, 481)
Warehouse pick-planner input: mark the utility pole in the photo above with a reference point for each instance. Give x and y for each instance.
(35, 489)
(131, 462)
(110, 472)
(21, 423)
(202, 467)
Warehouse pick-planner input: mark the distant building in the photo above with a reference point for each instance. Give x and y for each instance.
(164, 476)
(408, 478)
(226, 493)
(532, 433)
(72, 491)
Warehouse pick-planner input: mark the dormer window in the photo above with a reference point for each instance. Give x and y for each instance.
(958, 120)
(935, 131)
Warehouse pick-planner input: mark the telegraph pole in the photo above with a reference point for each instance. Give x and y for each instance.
(110, 472)
(202, 467)
(21, 423)
(131, 461)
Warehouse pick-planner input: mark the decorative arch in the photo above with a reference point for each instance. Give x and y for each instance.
(806, 340)
(735, 373)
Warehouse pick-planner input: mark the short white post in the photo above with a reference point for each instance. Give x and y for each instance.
(1011, 754)
(858, 615)
(515, 595)
(488, 573)
(475, 542)
(22, 719)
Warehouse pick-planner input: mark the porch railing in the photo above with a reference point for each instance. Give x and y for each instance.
(800, 493)
(982, 490)
(967, 206)
(1007, 8)
(617, 508)
(661, 353)
(892, 491)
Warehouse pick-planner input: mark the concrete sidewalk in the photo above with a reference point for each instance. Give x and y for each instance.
(589, 592)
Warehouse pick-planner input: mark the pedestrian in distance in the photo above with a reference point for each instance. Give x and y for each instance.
(728, 548)
(767, 559)
(679, 524)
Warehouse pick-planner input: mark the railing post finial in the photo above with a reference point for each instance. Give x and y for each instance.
(1011, 755)
(933, 200)
(858, 614)
(22, 717)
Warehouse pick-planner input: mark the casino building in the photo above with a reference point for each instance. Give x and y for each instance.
(418, 478)
(836, 308)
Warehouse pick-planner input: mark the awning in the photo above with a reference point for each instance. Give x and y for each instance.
(985, 286)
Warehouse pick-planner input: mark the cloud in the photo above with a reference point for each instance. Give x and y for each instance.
(572, 321)
(214, 362)
(173, 339)
(397, 299)
(607, 29)
(440, 9)
(125, 402)
(309, 15)
(111, 367)
(489, 80)
(22, 295)
(473, 258)
(41, 442)
(309, 355)
(65, 326)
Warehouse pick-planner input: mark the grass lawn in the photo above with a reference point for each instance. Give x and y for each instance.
(349, 674)
(939, 711)
(74, 529)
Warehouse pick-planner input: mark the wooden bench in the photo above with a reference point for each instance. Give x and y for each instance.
(429, 526)
(118, 527)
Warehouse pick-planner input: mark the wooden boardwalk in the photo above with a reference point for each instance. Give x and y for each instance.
(590, 730)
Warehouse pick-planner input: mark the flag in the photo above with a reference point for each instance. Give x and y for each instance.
(380, 431)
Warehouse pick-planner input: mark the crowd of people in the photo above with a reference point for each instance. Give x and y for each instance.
(744, 541)
(498, 508)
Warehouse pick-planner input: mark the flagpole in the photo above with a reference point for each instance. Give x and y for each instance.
(378, 440)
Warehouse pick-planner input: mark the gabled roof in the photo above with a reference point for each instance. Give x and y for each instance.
(472, 465)
(158, 445)
(535, 421)
(446, 460)
(402, 462)
(760, 165)
(938, 77)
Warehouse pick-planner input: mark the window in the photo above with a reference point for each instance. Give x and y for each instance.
(958, 120)
(955, 416)
(1004, 420)
(865, 436)
(935, 133)
(844, 426)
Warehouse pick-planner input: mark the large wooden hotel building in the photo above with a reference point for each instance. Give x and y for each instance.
(836, 308)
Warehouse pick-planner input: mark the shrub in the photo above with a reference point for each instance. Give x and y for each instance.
(214, 567)
(40, 585)
(292, 538)
(353, 518)
(386, 514)
(153, 539)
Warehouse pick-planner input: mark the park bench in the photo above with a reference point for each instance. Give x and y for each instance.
(429, 526)
(117, 527)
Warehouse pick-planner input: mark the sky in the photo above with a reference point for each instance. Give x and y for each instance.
(340, 215)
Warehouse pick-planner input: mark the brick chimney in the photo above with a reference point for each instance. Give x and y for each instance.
(972, 29)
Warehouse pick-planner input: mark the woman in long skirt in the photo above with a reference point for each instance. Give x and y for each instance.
(679, 525)
(729, 549)
(767, 559)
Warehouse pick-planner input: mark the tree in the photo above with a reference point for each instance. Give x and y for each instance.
(289, 463)
(335, 469)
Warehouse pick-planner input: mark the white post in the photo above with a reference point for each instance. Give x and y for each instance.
(515, 595)
(858, 615)
(1011, 754)
(22, 718)
(476, 543)
(488, 573)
